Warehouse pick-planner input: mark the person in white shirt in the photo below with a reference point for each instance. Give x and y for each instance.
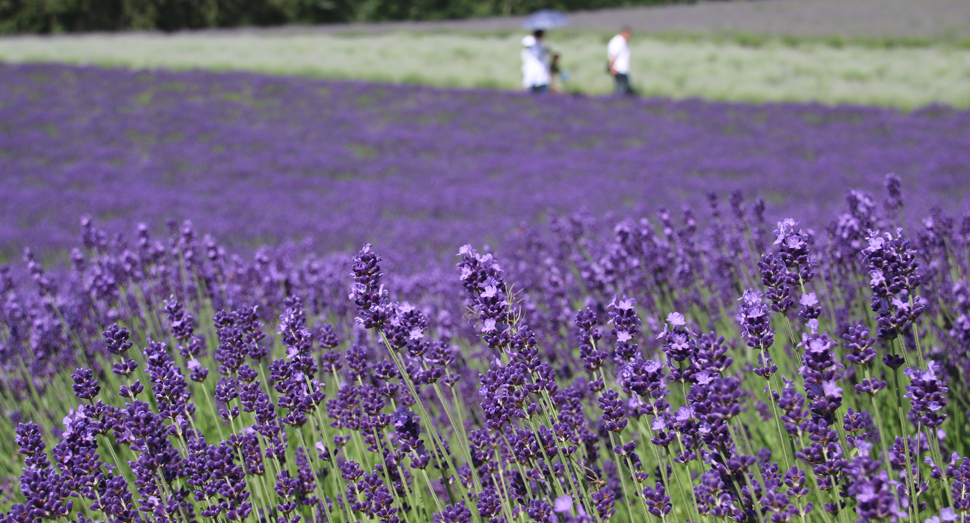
(535, 67)
(618, 52)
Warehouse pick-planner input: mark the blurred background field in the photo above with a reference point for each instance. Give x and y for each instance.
(873, 52)
(265, 159)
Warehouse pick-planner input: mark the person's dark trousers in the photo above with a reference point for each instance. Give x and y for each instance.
(539, 89)
(622, 84)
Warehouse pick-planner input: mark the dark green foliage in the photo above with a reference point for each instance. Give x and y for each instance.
(56, 16)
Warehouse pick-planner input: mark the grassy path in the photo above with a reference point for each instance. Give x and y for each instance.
(720, 69)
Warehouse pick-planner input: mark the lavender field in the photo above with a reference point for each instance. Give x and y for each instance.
(234, 297)
(264, 159)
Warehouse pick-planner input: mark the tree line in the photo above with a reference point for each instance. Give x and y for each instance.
(58, 16)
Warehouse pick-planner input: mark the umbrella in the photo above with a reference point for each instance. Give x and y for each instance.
(545, 19)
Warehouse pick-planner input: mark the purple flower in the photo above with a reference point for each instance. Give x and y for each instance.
(810, 308)
(603, 501)
(197, 372)
(588, 336)
(116, 339)
(626, 327)
(563, 505)
(793, 249)
(859, 343)
(877, 497)
(927, 395)
(894, 202)
(85, 386)
(456, 513)
(168, 384)
(894, 274)
(777, 281)
(647, 380)
(613, 412)
(755, 321)
(820, 374)
(367, 292)
(489, 504)
(182, 326)
(483, 281)
(960, 489)
(657, 500)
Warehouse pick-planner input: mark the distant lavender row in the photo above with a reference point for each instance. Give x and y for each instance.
(263, 159)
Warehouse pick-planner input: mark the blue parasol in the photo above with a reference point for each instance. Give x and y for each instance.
(545, 19)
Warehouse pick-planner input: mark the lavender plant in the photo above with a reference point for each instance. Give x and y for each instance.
(651, 370)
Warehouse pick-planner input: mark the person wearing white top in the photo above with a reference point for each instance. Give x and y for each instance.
(535, 68)
(618, 52)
